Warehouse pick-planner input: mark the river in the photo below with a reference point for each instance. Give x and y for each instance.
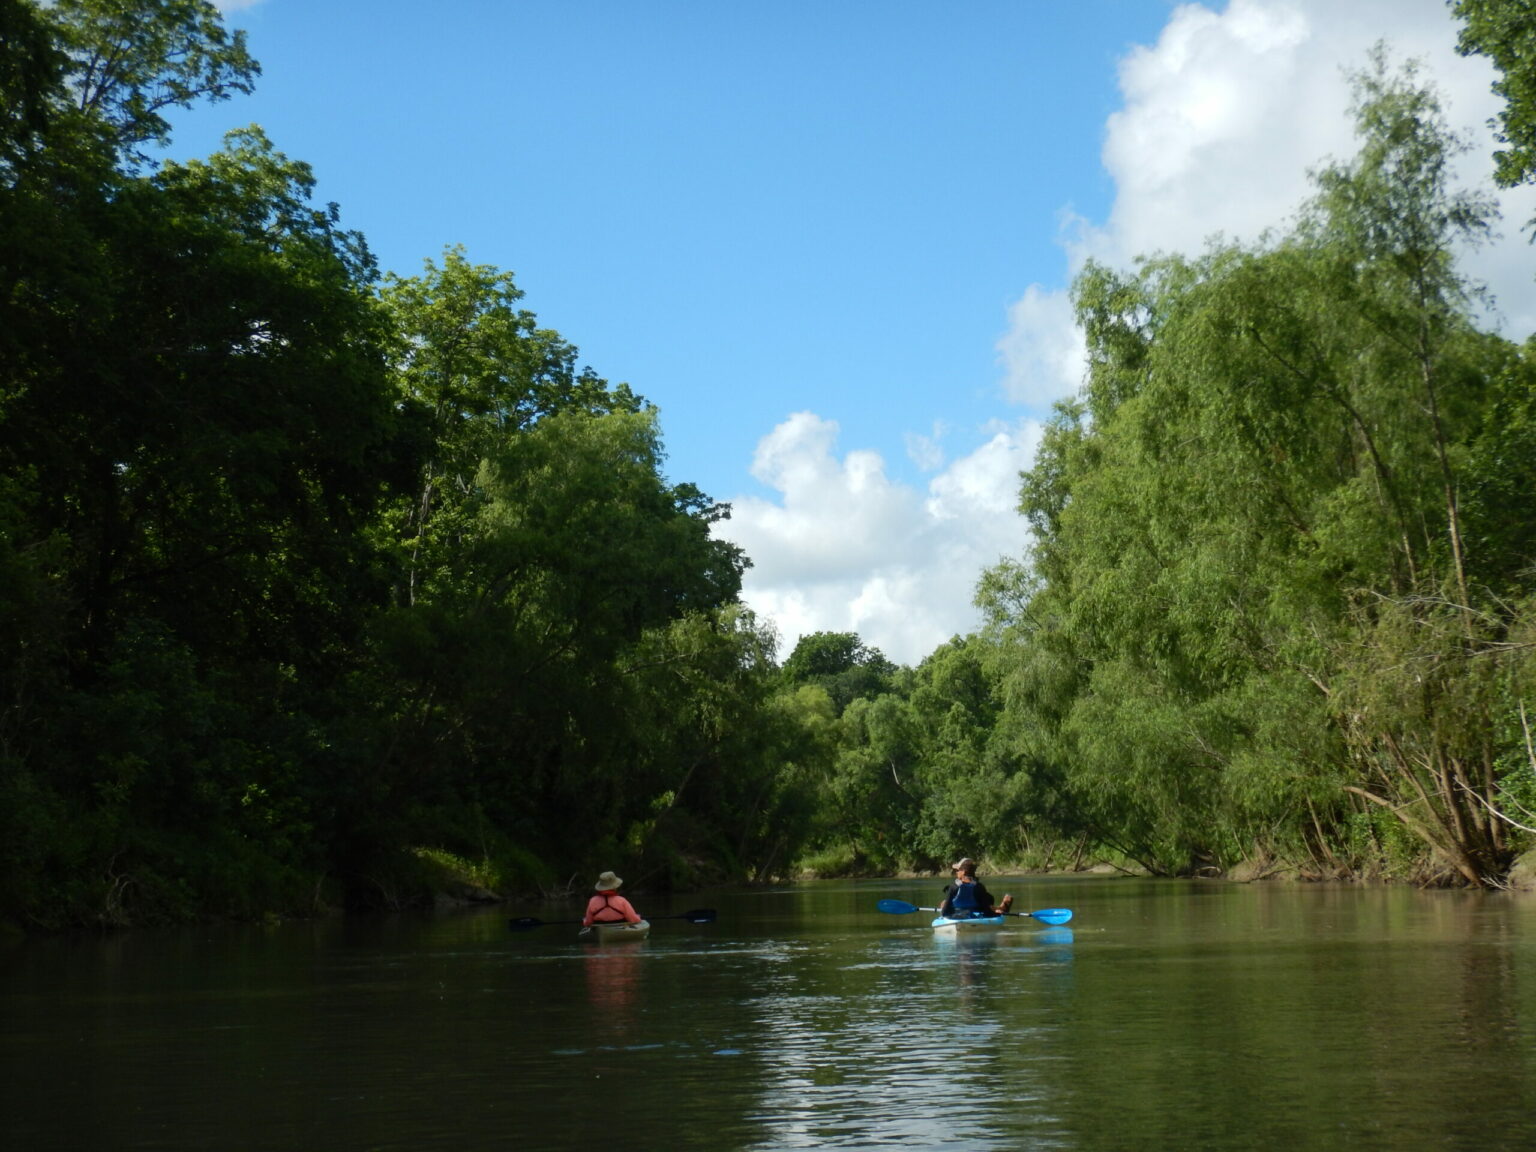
(1166, 1015)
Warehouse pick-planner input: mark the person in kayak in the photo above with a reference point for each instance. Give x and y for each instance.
(967, 897)
(606, 905)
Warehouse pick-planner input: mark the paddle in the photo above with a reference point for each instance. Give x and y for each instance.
(1044, 915)
(697, 916)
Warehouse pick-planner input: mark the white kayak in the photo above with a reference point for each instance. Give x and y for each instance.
(608, 933)
(967, 924)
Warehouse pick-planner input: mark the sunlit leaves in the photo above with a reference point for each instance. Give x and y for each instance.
(1269, 460)
(132, 60)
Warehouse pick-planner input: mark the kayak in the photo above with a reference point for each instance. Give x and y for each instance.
(949, 924)
(608, 933)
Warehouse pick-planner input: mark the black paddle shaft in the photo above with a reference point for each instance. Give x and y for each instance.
(697, 916)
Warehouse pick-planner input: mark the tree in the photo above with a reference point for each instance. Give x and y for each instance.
(1505, 32)
(541, 556)
(841, 663)
(1265, 481)
(303, 580)
(196, 428)
(480, 371)
(131, 60)
(31, 81)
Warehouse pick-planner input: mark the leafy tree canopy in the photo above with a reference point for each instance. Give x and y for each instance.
(829, 653)
(132, 60)
(1505, 32)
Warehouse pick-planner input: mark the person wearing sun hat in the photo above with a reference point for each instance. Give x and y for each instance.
(967, 897)
(606, 905)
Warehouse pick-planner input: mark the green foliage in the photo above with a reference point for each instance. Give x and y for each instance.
(131, 60)
(542, 556)
(299, 573)
(920, 769)
(834, 862)
(1279, 488)
(1505, 32)
(842, 664)
(318, 589)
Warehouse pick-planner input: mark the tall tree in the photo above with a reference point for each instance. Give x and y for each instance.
(542, 552)
(195, 426)
(1267, 473)
(130, 61)
(481, 370)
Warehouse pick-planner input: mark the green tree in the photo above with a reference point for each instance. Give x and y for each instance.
(544, 560)
(196, 427)
(1269, 467)
(723, 773)
(841, 663)
(132, 60)
(479, 370)
(1505, 32)
(307, 584)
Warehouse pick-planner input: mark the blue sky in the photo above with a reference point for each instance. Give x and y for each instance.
(828, 239)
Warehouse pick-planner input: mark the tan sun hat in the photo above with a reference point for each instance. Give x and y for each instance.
(964, 864)
(607, 882)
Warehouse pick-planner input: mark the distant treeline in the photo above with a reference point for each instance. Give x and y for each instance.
(323, 587)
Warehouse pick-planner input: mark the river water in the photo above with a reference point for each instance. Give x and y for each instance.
(1167, 1015)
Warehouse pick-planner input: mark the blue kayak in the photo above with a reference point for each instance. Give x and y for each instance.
(967, 924)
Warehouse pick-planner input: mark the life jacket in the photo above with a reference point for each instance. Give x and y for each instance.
(599, 918)
(963, 902)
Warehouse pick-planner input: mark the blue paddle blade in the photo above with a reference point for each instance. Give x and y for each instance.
(896, 906)
(1051, 915)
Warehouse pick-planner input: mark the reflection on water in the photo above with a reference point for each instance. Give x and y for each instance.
(1168, 1016)
(612, 975)
(906, 1062)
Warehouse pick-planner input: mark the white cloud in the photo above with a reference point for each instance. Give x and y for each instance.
(926, 451)
(1223, 118)
(1043, 352)
(845, 549)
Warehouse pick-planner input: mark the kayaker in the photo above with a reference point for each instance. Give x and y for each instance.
(967, 897)
(606, 905)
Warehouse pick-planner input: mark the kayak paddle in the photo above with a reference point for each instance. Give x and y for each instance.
(1044, 915)
(697, 916)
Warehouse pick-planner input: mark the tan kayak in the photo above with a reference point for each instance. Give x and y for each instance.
(608, 933)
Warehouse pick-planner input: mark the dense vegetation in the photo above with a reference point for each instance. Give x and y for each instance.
(321, 586)
(1278, 611)
(316, 583)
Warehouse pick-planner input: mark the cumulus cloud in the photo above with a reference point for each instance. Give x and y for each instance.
(1221, 119)
(1224, 117)
(843, 548)
(1228, 112)
(1043, 351)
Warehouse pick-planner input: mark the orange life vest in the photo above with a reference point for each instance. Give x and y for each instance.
(599, 918)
